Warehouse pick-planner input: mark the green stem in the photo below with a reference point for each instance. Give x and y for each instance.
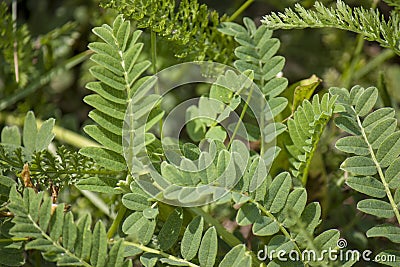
(116, 223)
(44, 79)
(380, 172)
(241, 116)
(374, 63)
(14, 20)
(14, 239)
(163, 254)
(228, 237)
(240, 10)
(153, 47)
(347, 77)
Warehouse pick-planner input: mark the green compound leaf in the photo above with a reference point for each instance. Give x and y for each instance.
(118, 71)
(375, 171)
(58, 236)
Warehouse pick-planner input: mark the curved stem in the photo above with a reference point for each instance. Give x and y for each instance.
(116, 223)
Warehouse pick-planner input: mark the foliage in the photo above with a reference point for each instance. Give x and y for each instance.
(255, 180)
(374, 142)
(189, 26)
(370, 23)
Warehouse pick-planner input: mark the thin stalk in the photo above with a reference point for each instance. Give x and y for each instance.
(228, 237)
(348, 75)
(241, 116)
(380, 172)
(14, 239)
(163, 254)
(240, 10)
(115, 225)
(153, 47)
(374, 63)
(14, 20)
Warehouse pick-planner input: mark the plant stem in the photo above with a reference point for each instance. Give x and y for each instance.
(241, 116)
(14, 239)
(380, 172)
(114, 226)
(374, 63)
(347, 76)
(240, 10)
(14, 20)
(228, 237)
(155, 251)
(153, 45)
